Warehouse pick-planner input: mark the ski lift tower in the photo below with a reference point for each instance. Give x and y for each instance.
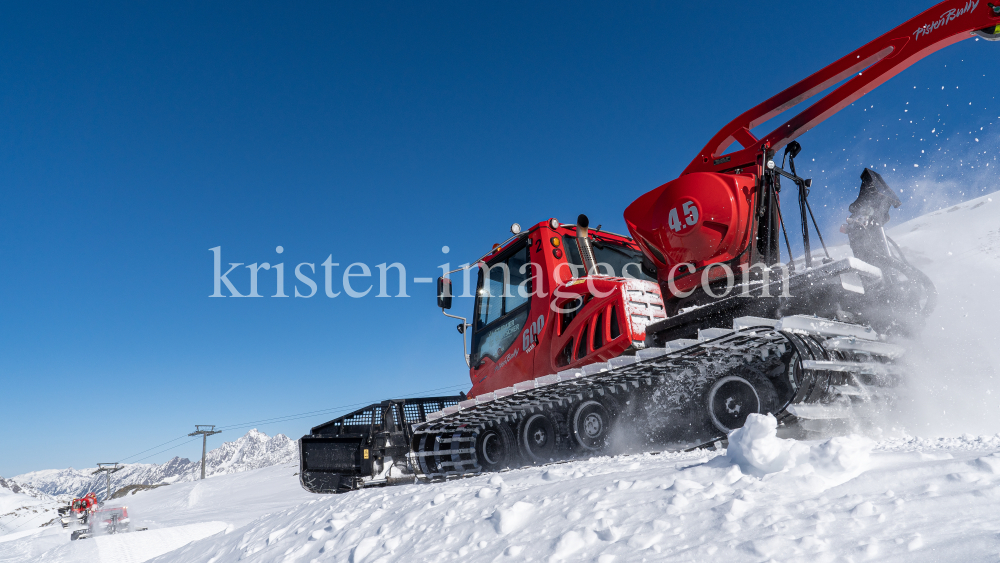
(108, 469)
(205, 430)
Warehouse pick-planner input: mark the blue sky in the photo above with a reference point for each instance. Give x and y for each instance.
(135, 137)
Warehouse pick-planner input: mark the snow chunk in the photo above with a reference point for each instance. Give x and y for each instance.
(989, 463)
(514, 550)
(554, 474)
(684, 485)
(363, 549)
(734, 509)
(640, 542)
(863, 510)
(841, 454)
(757, 450)
(507, 520)
(571, 542)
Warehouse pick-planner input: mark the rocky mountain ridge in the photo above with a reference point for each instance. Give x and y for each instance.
(253, 450)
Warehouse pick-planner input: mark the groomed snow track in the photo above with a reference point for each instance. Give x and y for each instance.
(830, 367)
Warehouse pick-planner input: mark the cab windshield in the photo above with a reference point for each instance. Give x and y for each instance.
(613, 258)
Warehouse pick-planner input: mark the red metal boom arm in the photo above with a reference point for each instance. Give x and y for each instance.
(873, 64)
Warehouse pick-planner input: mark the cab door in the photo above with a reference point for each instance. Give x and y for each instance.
(503, 309)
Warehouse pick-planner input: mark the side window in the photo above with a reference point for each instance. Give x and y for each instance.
(517, 264)
(491, 296)
(501, 292)
(501, 310)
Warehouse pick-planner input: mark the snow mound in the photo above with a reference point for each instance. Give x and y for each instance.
(758, 451)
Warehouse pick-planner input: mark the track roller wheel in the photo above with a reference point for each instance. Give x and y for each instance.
(496, 449)
(536, 435)
(590, 424)
(733, 398)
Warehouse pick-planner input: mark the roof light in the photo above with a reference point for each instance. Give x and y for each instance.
(553, 224)
(515, 228)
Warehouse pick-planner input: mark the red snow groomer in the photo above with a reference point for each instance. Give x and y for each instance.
(582, 339)
(113, 520)
(77, 510)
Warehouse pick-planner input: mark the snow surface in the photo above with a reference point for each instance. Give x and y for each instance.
(924, 487)
(176, 516)
(845, 498)
(23, 506)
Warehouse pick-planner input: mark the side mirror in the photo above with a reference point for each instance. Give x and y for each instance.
(444, 293)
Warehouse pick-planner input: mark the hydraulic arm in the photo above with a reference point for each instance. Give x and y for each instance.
(864, 69)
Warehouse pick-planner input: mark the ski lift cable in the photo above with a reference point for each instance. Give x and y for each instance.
(315, 413)
(273, 420)
(154, 447)
(35, 517)
(288, 417)
(15, 528)
(166, 450)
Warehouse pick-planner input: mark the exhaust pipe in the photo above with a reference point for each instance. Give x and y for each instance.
(583, 243)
